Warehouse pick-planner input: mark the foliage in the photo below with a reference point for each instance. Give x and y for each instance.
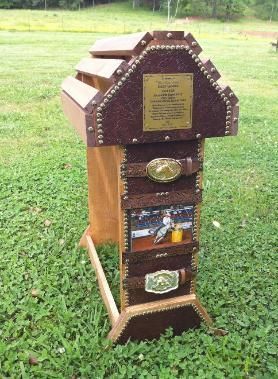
(43, 177)
(222, 9)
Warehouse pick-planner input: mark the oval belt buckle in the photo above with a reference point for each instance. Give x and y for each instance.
(164, 170)
(161, 281)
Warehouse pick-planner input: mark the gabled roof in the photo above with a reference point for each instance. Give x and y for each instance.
(105, 99)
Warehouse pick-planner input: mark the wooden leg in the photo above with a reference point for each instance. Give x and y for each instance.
(103, 284)
(83, 240)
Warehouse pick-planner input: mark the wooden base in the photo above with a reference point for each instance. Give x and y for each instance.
(148, 320)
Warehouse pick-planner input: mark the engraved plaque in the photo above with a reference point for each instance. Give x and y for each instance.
(167, 100)
(164, 170)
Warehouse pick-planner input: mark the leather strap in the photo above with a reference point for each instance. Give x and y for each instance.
(139, 281)
(138, 170)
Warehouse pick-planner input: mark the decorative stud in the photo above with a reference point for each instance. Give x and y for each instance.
(99, 109)
(130, 71)
(227, 133)
(235, 119)
(231, 94)
(100, 141)
(143, 42)
(100, 131)
(90, 129)
(190, 52)
(198, 136)
(125, 197)
(94, 102)
(194, 43)
(100, 136)
(228, 102)
(194, 56)
(167, 138)
(119, 72)
(169, 35)
(134, 140)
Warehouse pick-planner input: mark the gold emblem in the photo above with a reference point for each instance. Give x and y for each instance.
(164, 170)
(161, 281)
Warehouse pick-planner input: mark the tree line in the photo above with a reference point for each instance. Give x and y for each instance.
(222, 9)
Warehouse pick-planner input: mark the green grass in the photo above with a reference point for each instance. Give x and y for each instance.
(43, 177)
(117, 18)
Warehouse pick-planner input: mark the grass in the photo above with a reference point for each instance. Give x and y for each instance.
(50, 305)
(117, 18)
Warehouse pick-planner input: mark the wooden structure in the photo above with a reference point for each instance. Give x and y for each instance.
(144, 104)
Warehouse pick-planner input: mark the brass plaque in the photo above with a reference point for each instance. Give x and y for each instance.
(164, 170)
(161, 281)
(167, 101)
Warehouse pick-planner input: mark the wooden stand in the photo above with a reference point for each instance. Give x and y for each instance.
(144, 104)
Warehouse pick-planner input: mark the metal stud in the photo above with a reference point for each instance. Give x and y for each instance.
(99, 109)
(190, 52)
(187, 48)
(143, 42)
(228, 123)
(194, 56)
(194, 43)
(200, 64)
(100, 131)
(130, 71)
(125, 197)
(120, 83)
(228, 102)
(94, 102)
(212, 69)
(127, 75)
(198, 136)
(100, 141)
(202, 68)
(119, 72)
(134, 140)
(90, 129)
(208, 76)
(145, 53)
(102, 105)
(235, 119)
(227, 132)
(109, 96)
(100, 136)
(229, 112)
(123, 79)
(152, 48)
(105, 101)
(231, 94)
(169, 35)
(211, 81)
(205, 72)
(167, 138)
(133, 66)
(222, 95)
(225, 98)
(173, 47)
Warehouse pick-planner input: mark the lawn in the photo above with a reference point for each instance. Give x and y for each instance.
(50, 305)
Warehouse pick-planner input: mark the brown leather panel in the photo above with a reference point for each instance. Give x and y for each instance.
(139, 295)
(168, 35)
(139, 281)
(123, 117)
(151, 326)
(145, 185)
(141, 268)
(194, 45)
(152, 199)
(148, 255)
(176, 150)
(138, 170)
(211, 69)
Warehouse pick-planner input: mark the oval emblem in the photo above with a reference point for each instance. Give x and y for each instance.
(164, 170)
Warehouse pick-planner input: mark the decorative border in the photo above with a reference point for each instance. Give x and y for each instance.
(226, 98)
